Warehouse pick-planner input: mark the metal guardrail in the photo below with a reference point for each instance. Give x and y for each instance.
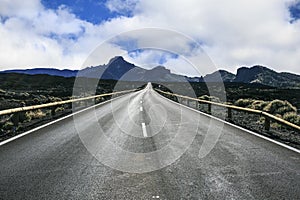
(53, 104)
(268, 117)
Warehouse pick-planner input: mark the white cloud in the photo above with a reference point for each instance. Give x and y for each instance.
(59, 22)
(149, 58)
(21, 8)
(32, 36)
(121, 6)
(233, 33)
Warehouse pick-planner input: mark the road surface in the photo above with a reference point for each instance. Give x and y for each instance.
(70, 159)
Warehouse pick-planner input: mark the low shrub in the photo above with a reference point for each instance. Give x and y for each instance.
(36, 114)
(54, 99)
(36, 101)
(24, 95)
(59, 109)
(279, 107)
(99, 99)
(8, 125)
(258, 104)
(292, 117)
(243, 102)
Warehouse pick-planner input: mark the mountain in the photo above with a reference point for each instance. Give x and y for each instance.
(263, 75)
(116, 69)
(49, 71)
(219, 75)
(120, 69)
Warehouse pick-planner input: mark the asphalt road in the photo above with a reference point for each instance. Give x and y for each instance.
(143, 146)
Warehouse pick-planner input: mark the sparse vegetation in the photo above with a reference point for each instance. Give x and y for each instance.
(18, 90)
(279, 108)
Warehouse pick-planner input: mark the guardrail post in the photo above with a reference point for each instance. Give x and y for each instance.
(53, 110)
(197, 105)
(69, 105)
(75, 105)
(15, 119)
(229, 114)
(267, 123)
(209, 108)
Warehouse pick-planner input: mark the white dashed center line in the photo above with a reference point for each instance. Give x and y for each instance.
(144, 130)
(143, 124)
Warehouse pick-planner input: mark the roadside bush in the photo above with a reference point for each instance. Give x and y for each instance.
(286, 109)
(24, 95)
(8, 125)
(59, 109)
(43, 99)
(36, 114)
(279, 107)
(258, 104)
(292, 117)
(99, 99)
(36, 101)
(54, 99)
(243, 102)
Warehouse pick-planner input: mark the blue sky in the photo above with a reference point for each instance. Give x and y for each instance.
(295, 10)
(96, 11)
(63, 33)
(89, 10)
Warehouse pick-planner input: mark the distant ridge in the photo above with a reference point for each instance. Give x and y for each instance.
(120, 69)
(48, 71)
